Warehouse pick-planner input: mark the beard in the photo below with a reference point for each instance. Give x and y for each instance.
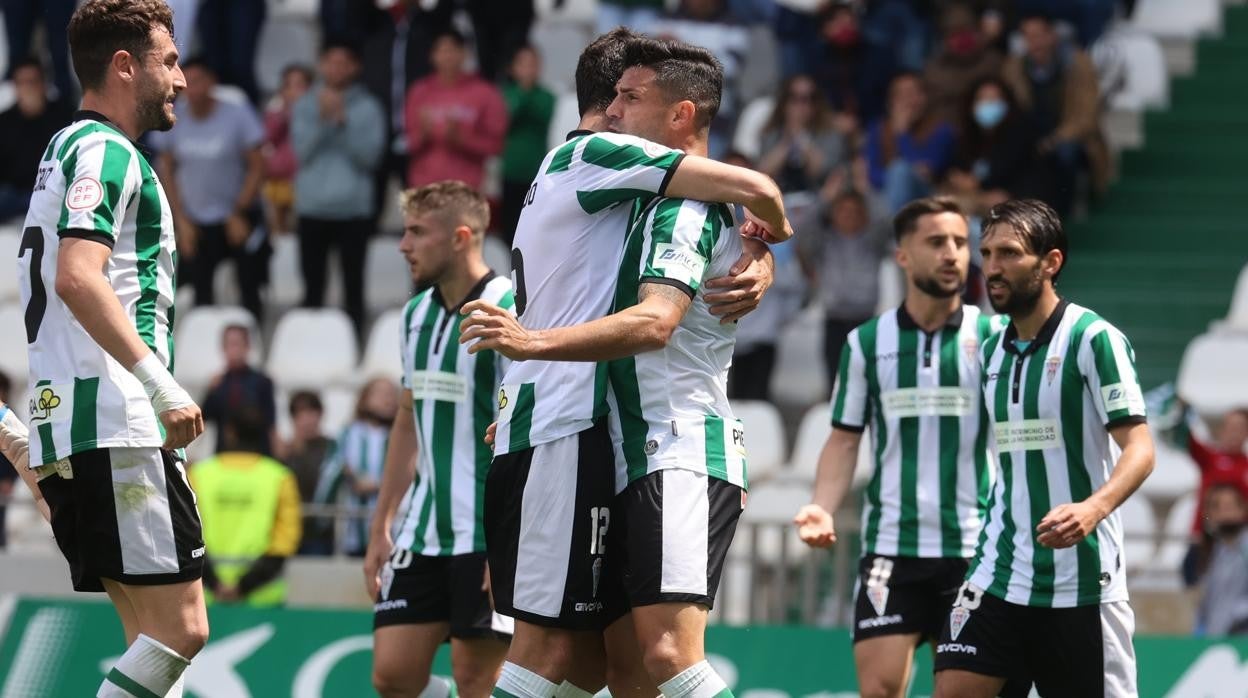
(932, 287)
(1021, 296)
(153, 108)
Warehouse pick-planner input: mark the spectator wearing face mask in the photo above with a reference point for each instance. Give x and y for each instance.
(964, 60)
(853, 72)
(1223, 608)
(996, 153)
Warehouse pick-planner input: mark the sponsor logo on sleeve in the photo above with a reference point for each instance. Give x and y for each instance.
(677, 262)
(1122, 396)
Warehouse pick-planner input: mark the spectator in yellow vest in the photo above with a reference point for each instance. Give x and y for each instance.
(249, 504)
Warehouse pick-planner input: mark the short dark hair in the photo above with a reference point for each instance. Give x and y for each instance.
(305, 400)
(1037, 225)
(100, 28)
(198, 61)
(907, 219)
(340, 45)
(598, 69)
(27, 62)
(5, 383)
(450, 33)
(1036, 16)
(299, 68)
(236, 327)
(246, 430)
(683, 71)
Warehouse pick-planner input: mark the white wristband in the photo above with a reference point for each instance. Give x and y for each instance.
(158, 383)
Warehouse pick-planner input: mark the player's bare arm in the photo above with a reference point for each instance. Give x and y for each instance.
(15, 445)
(643, 327)
(396, 477)
(832, 481)
(1067, 524)
(747, 282)
(703, 179)
(82, 285)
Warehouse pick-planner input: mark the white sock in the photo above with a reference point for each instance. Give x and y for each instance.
(147, 668)
(176, 690)
(568, 690)
(521, 683)
(436, 688)
(698, 681)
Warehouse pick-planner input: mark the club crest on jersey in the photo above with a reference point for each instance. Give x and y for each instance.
(41, 406)
(878, 596)
(957, 620)
(502, 399)
(970, 347)
(1051, 366)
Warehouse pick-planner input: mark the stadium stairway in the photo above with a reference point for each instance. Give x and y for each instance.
(1160, 255)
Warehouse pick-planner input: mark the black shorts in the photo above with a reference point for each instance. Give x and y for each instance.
(437, 589)
(904, 595)
(125, 514)
(669, 538)
(547, 513)
(1083, 651)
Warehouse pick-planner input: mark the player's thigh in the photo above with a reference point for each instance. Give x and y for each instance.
(674, 630)
(558, 654)
(125, 610)
(475, 663)
(479, 635)
(956, 683)
(883, 664)
(403, 655)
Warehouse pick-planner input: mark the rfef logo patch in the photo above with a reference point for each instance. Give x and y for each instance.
(84, 194)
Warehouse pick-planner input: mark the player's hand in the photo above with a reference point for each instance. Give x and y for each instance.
(379, 547)
(186, 235)
(491, 432)
(814, 526)
(237, 229)
(491, 327)
(774, 230)
(182, 425)
(1067, 524)
(735, 296)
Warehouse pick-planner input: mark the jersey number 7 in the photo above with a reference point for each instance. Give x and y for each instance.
(32, 239)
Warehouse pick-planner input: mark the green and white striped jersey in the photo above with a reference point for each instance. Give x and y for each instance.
(669, 407)
(565, 258)
(1051, 407)
(454, 399)
(93, 183)
(919, 393)
(359, 453)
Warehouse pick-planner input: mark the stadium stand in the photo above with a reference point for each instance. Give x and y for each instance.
(313, 349)
(765, 443)
(9, 242)
(381, 354)
(1204, 379)
(13, 359)
(198, 341)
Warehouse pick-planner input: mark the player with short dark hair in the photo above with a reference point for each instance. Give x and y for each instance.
(108, 420)
(912, 376)
(1046, 597)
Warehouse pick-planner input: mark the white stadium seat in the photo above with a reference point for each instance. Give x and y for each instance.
(387, 277)
(1237, 317)
(812, 434)
(1171, 19)
(1139, 527)
(566, 118)
(381, 354)
(312, 349)
(798, 378)
(1146, 82)
(764, 438)
(13, 358)
(772, 506)
(197, 340)
(339, 406)
(745, 139)
(1176, 534)
(1174, 474)
(1213, 377)
(9, 244)
(285, 279)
